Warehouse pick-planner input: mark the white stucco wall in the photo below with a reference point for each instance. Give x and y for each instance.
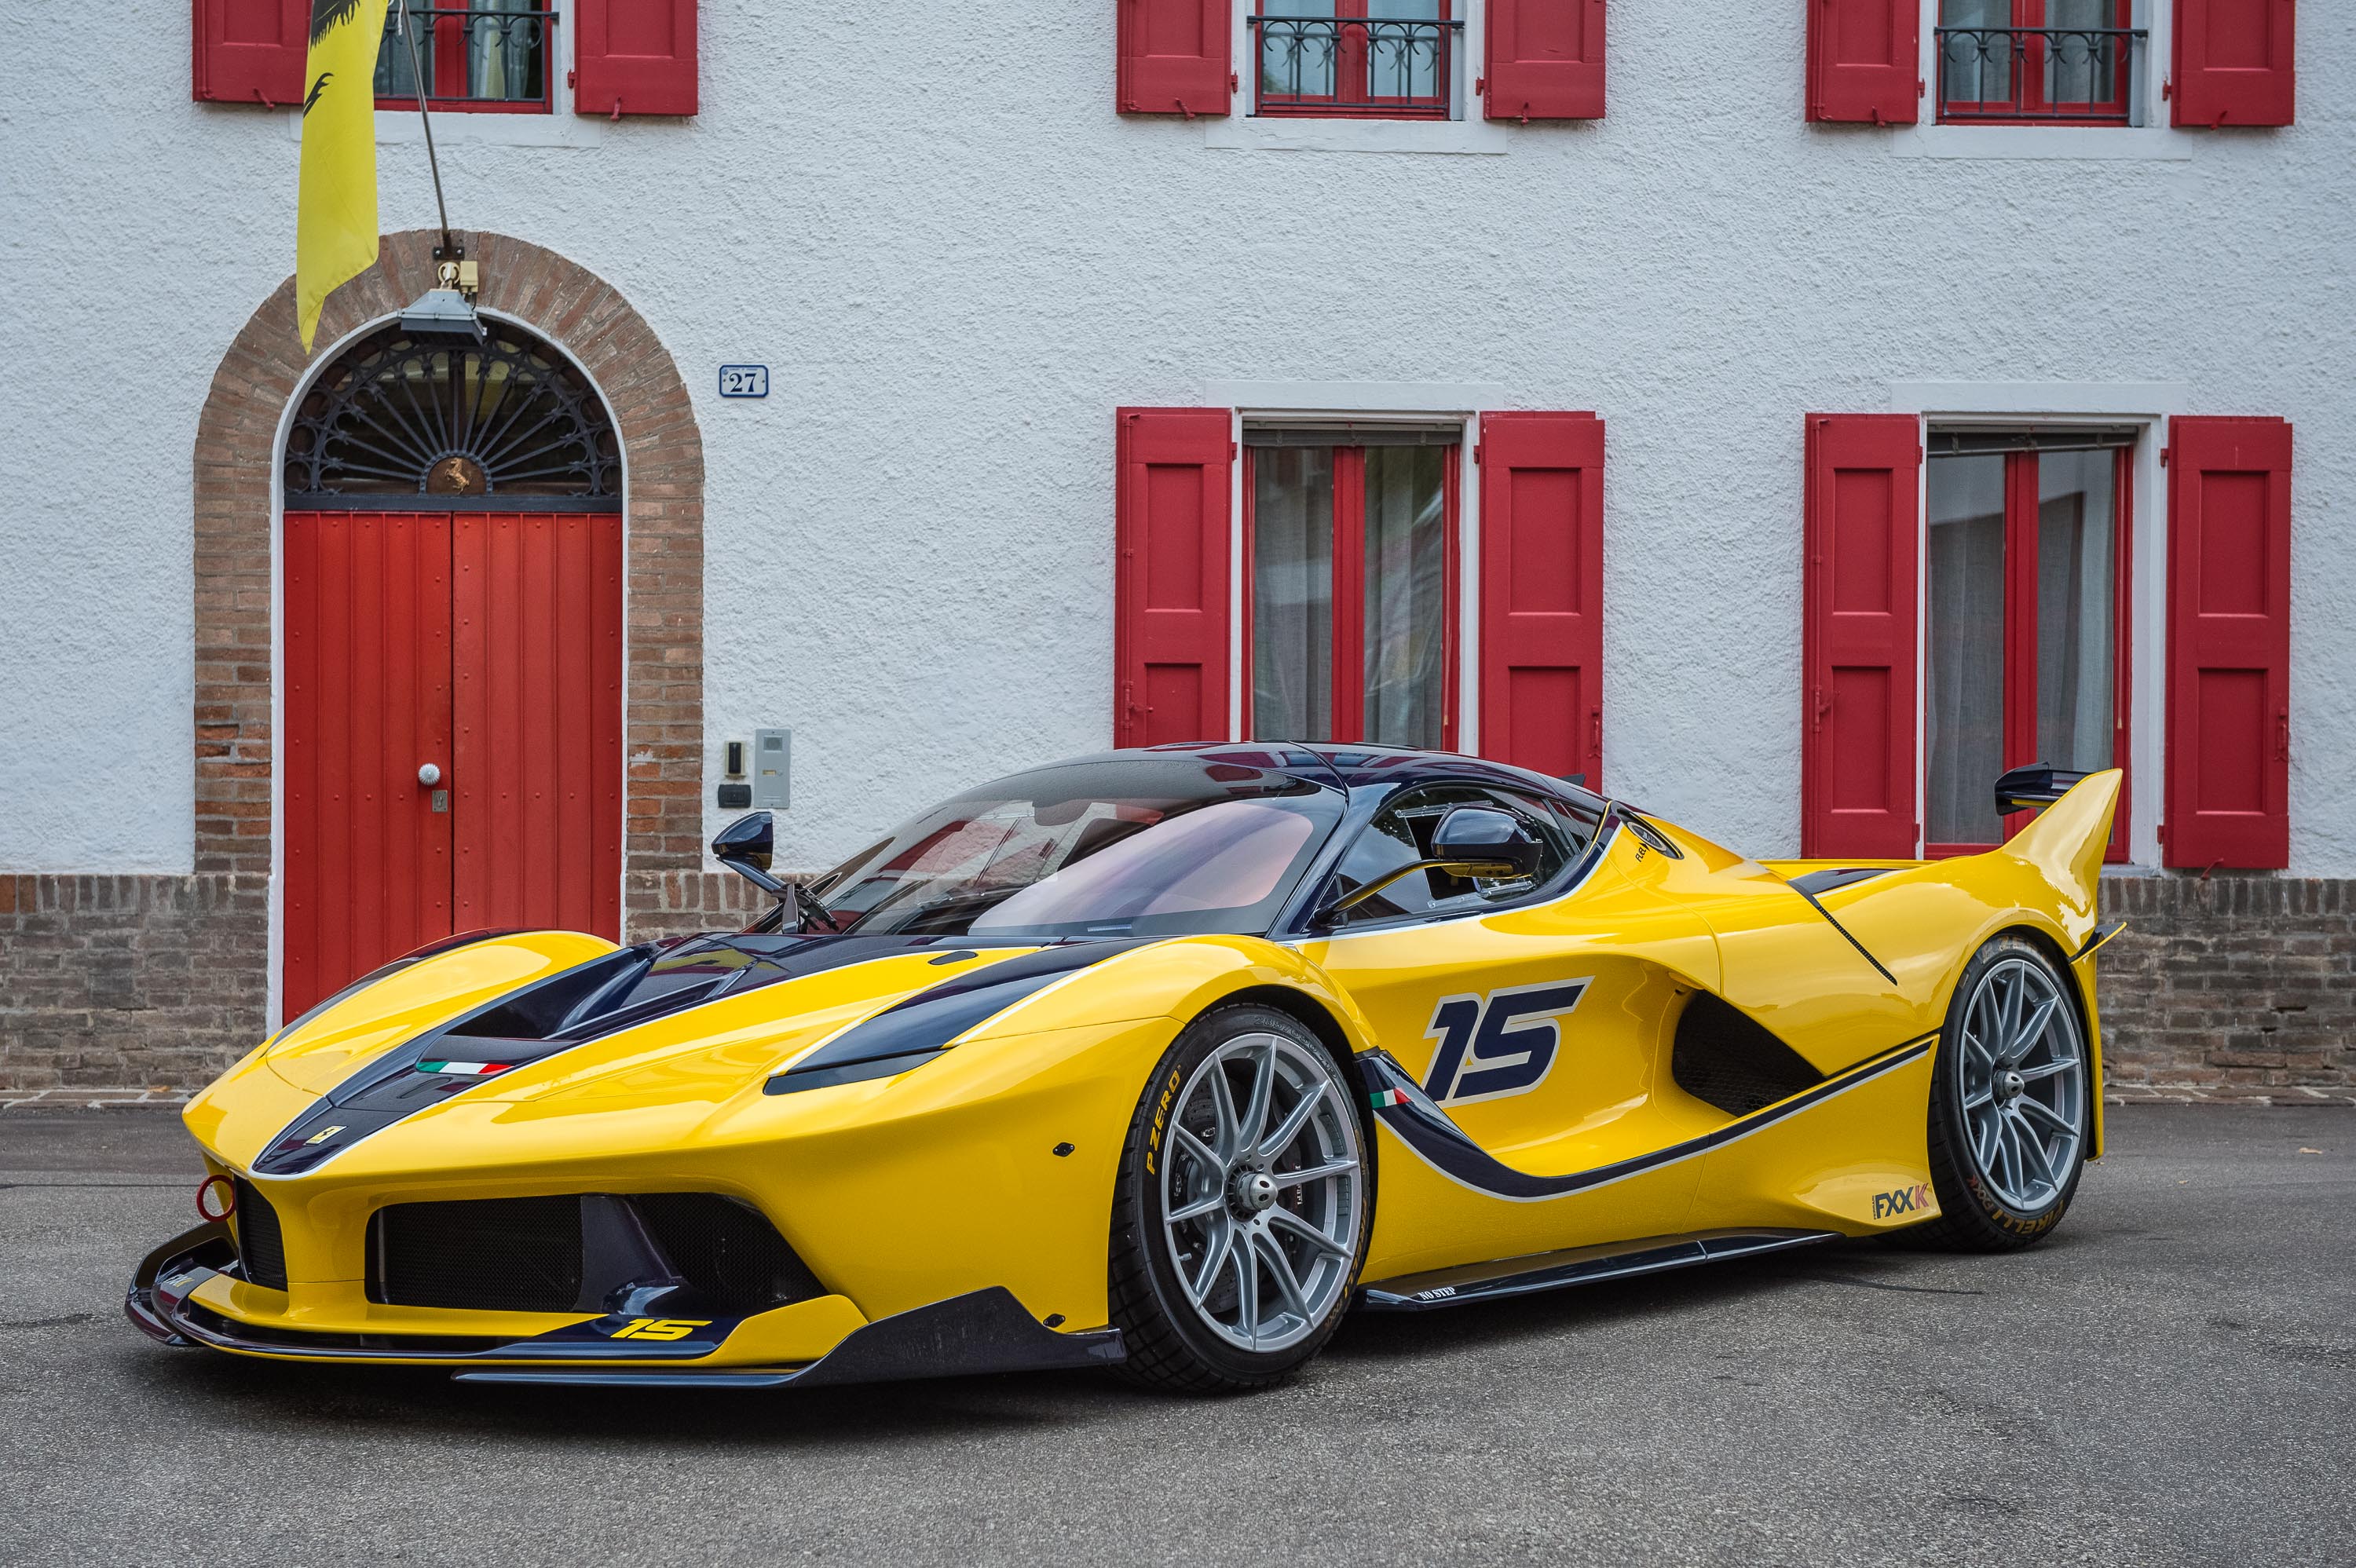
(957, 261)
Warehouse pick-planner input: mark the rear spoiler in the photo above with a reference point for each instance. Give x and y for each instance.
(2040, 783)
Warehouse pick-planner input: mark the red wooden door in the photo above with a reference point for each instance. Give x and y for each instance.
(490, 647)
(367, 703)
(538, 652)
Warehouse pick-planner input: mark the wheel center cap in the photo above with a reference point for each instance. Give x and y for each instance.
(1256, 1190)
(2010, 1084)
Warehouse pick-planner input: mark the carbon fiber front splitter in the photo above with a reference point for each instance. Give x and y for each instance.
(983, 1331)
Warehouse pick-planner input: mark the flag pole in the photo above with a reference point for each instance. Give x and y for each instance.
(417, 81)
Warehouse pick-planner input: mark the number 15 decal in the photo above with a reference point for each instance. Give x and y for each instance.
(1500, 1044)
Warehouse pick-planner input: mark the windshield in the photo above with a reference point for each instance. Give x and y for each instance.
(1125, 846)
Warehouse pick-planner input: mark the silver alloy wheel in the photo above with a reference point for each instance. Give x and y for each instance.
(1261, 1193)
(2023, 1082)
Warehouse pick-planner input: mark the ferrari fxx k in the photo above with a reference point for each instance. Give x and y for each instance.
(1160, 1060)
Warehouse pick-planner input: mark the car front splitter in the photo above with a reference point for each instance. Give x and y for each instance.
(986, 1330)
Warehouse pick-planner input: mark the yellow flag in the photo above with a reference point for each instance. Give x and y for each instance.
(334, 224)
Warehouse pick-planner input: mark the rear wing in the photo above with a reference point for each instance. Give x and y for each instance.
(2040, 783)
(2070, 836)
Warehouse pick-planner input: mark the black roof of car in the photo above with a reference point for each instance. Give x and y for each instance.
(1351, 767)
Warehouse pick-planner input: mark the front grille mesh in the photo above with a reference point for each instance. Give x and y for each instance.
(525, 1254)
(261, 1247)
(732, 1254)
(498, 1254)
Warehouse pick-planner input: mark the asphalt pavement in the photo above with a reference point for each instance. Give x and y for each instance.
(2171, 1379)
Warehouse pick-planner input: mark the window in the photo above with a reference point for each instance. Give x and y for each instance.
(1362, 59)
(1402, 834)
(2026, 606)
(2039, 61)
(626, 57)
(1329, 611)
(1968, 610)
(1351, 577)
(490, 56)
(1138, 847)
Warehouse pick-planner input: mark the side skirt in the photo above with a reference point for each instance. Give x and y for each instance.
(1576, 1265)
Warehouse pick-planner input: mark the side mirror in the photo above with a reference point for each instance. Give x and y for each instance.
(749, 840)
(1493, 841)
(745, 845)
(1472, 841)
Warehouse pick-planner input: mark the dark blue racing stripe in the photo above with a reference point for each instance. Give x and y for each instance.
(917, 1025)
(1424, 1128)
(554, 1014)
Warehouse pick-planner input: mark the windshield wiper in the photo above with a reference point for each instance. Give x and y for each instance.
(912, 921)
(801, 907)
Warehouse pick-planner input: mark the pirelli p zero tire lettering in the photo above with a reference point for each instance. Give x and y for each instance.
(1242, 1207)
(2010, 1101)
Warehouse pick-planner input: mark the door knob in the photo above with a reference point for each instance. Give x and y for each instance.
(429, 775)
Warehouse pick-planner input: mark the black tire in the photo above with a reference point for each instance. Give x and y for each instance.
(1976, 1213)
(1171, 1345)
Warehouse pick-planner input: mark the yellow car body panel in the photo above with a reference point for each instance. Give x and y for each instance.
(992, 1163)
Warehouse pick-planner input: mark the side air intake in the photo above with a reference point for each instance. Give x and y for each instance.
(1724, 1058)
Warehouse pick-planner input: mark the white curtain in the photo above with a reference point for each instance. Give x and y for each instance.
(498, 52)
(1963, 684)
(2076, 583)
(1406, 610)
(1292, 593)
(1978, 67)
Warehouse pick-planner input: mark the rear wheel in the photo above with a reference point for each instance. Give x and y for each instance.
(2010, 1101)
(1241, 1212)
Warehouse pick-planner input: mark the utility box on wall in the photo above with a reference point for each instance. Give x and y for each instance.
(773, 759)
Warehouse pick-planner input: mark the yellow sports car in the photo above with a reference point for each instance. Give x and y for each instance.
(1159, 1059)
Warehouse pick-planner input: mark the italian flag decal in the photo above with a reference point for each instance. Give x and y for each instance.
(465, 1069)
(1389, 1098)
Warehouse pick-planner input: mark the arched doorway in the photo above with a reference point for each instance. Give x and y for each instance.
(452, 635)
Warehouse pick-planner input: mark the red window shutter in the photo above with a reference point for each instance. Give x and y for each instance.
(1174, 57)
(251, 52)
(1865, 61)
(1546, 60)
(2233, 62)
(1170, 594)
(1542, 592)
(1862, 682)
(634, 56)
(2228, 643)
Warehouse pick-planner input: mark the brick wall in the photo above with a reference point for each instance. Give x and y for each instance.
(161, 982)
(2239, 986)
(129, 981)
(2236, 985)
(674, 903)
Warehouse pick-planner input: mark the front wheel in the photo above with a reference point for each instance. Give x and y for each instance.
(2011, 1101)
(1241, 1211)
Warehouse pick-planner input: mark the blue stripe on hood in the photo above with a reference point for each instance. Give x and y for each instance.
(931, 1019)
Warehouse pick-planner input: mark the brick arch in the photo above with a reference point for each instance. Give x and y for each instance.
(236, 448)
